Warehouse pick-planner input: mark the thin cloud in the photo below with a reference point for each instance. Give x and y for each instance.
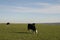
(51, 9)
(40, 3)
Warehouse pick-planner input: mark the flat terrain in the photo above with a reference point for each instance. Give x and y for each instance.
(20, 32)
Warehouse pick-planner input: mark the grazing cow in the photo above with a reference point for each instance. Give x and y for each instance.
(7, 23)
(32, 27)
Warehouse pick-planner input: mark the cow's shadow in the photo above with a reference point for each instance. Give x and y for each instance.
(23, 32)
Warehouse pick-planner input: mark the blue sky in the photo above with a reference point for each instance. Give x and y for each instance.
(29, 11)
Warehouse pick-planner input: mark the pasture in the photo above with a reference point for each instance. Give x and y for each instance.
(20, 32)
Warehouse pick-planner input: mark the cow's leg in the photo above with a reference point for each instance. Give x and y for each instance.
(35, 31)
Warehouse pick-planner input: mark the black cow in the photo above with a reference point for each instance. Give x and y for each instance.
(32, 27)
(7, 23)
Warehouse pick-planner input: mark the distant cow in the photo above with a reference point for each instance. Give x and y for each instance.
(7, 23)
(32, 27)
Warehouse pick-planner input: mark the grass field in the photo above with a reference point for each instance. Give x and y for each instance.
(20, 32)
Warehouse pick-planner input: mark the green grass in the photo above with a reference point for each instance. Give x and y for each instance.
(20, 32)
